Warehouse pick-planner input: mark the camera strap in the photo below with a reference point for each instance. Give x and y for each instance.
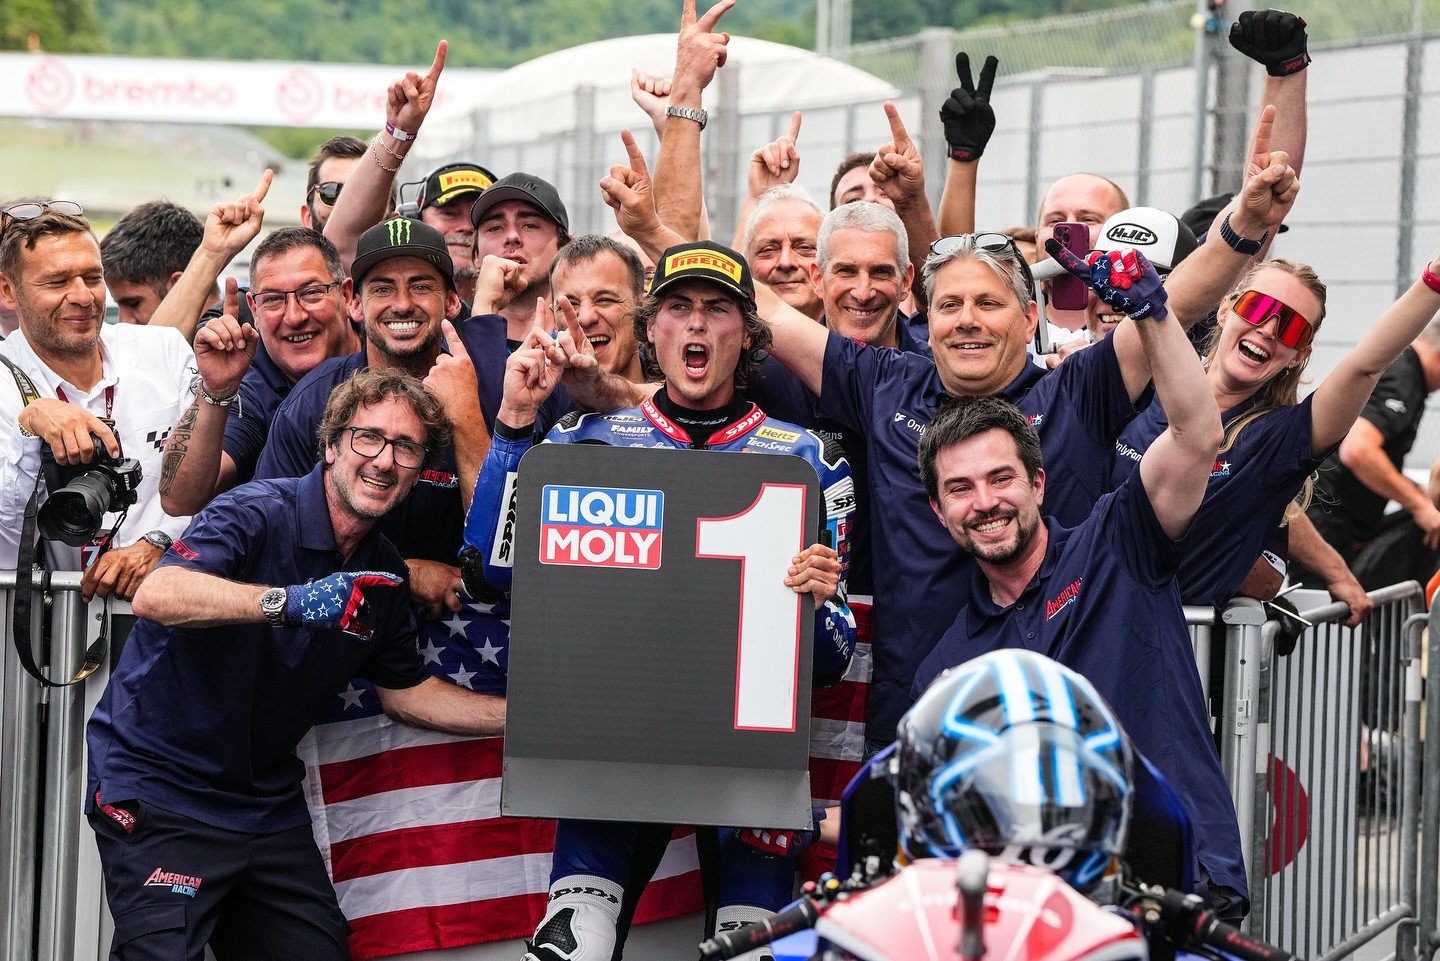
(26, 568)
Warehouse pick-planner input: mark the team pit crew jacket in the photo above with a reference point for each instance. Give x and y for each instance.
(487, 560)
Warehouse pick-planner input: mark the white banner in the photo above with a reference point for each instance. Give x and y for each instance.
(214, 91)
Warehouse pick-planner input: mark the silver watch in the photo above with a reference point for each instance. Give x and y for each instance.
(689, 113)
(272, 605)
(158, 540)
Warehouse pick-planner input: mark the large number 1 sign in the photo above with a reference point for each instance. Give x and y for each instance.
(767, 666)
(659, 668)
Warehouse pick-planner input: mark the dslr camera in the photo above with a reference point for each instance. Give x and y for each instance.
(80, 495)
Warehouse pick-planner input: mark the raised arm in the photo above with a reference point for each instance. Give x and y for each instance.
(228, 229)
(452, 381)
(776, 163)
(1176, 468)
(900, 174)
(1276, 40)
(366, 198)
(969, 122)
(630, 193)
(699, 53)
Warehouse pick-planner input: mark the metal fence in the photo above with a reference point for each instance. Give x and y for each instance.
(1322, 749)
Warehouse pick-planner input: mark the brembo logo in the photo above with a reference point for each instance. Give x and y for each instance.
(1132, 234)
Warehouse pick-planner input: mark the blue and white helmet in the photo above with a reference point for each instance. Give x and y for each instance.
(1015, 755)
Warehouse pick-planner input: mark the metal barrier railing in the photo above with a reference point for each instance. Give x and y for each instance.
(1321, 748)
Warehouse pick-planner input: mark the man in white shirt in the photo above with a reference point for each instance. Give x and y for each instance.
(82, 370)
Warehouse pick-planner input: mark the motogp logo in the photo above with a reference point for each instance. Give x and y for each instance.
(601, 527)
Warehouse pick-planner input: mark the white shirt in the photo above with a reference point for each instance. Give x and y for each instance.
(152, 371)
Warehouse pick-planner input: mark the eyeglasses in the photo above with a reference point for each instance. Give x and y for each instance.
(1001, 244)
(370, 443)
(275, 301)
(29, 210)
(329, 191)
(1291, 327)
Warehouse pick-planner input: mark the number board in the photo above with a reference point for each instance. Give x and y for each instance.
(659, 667)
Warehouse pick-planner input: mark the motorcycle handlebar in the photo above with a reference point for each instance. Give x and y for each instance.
(732, 944)
(1202, 926)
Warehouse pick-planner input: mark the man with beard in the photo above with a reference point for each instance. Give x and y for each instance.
(75, 370)
(1100, 597)
(522, 219)
(445, 201)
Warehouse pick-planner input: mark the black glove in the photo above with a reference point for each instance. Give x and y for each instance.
(967, 116)
(1274, 38)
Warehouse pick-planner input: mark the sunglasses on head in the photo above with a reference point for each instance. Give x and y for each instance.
(29, 210)
(329, 191)
(1001, 244)
(1291, 327)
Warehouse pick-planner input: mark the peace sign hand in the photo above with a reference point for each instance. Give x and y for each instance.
(967, 116)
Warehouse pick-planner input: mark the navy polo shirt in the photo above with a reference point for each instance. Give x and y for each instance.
(204, 721)
(1251, 485)
(1105, 603)
(261, 391)
(890, 396)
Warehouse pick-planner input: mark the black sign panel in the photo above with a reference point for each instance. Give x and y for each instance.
(660, 670)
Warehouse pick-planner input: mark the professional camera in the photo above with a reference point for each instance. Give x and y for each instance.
(80, 495)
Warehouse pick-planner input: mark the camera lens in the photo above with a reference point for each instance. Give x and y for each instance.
(74, 513)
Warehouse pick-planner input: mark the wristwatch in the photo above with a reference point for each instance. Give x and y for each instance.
(689, 113)
(158, 540)
(272, 605)
(1238, 243)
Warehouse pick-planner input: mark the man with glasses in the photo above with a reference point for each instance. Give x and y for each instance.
(276, 596)
(77, 382)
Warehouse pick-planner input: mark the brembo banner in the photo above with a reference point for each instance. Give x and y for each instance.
(212, 91)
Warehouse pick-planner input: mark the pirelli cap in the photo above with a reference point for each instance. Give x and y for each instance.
(704, 261)
(401, 237)
(540, 194)
(454, 180)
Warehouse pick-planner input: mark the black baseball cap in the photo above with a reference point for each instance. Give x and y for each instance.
(704, 260)
(401, 237)
(454, 180)
(540, 194)
(1199, 217)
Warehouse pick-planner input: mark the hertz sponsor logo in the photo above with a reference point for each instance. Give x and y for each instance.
(775, 433)
(699, 258)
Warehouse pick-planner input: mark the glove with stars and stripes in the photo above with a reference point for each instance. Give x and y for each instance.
(337, 601)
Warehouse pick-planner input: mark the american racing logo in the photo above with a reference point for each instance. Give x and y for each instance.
(1036, 420)
(1064, 599)
(601, 526)
(1221, 469)
(178, 883)
(439, 478)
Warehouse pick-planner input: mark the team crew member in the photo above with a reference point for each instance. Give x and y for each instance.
(522, 219)
(274, 598)
(604, 281)
(144, 255)
(445, 200)
(1254, 366)
(326, 176)
(1099, 597)
(699, 329)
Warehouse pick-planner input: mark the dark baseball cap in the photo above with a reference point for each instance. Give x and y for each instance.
(454, 180)
(401, 237)
(540, 194)
(1199, 217)
(704, 260)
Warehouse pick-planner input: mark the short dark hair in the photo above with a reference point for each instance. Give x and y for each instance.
(286, 239)
(848, 164)
(343, 147)
(748, 367)
(369, 387)
(26, 234)
(967, 417)
(150, 243)
(586, 247)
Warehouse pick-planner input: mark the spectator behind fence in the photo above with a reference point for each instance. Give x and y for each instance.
(1078, 594)
(144, 255)
(1365, 473)
(81, 370)
(198, 813)
(699, 330)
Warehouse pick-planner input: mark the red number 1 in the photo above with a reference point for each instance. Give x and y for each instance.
(763, 537)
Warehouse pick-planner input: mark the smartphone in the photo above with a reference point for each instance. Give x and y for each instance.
(1067, 292)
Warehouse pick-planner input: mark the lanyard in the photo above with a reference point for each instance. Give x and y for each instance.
(109, 399)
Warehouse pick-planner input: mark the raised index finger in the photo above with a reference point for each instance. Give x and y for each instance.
(438, 64)
(795, 127)
(263, 187)
(637, 156)
(898, 133)
(232, 297)
(452, 339)
(1261, 144)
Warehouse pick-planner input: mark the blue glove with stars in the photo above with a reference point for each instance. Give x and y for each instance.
(337, 601)
(1124, 279)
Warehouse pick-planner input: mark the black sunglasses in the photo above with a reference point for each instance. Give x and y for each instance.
(329, 191)
(1001, 244)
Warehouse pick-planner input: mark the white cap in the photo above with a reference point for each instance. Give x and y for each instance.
(1159, 235)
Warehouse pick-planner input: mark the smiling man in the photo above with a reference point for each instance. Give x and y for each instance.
(604, 281)
(274, 598)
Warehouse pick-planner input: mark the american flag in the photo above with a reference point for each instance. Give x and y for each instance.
(409, 820)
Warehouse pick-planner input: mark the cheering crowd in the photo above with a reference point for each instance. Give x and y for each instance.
(324, 461)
